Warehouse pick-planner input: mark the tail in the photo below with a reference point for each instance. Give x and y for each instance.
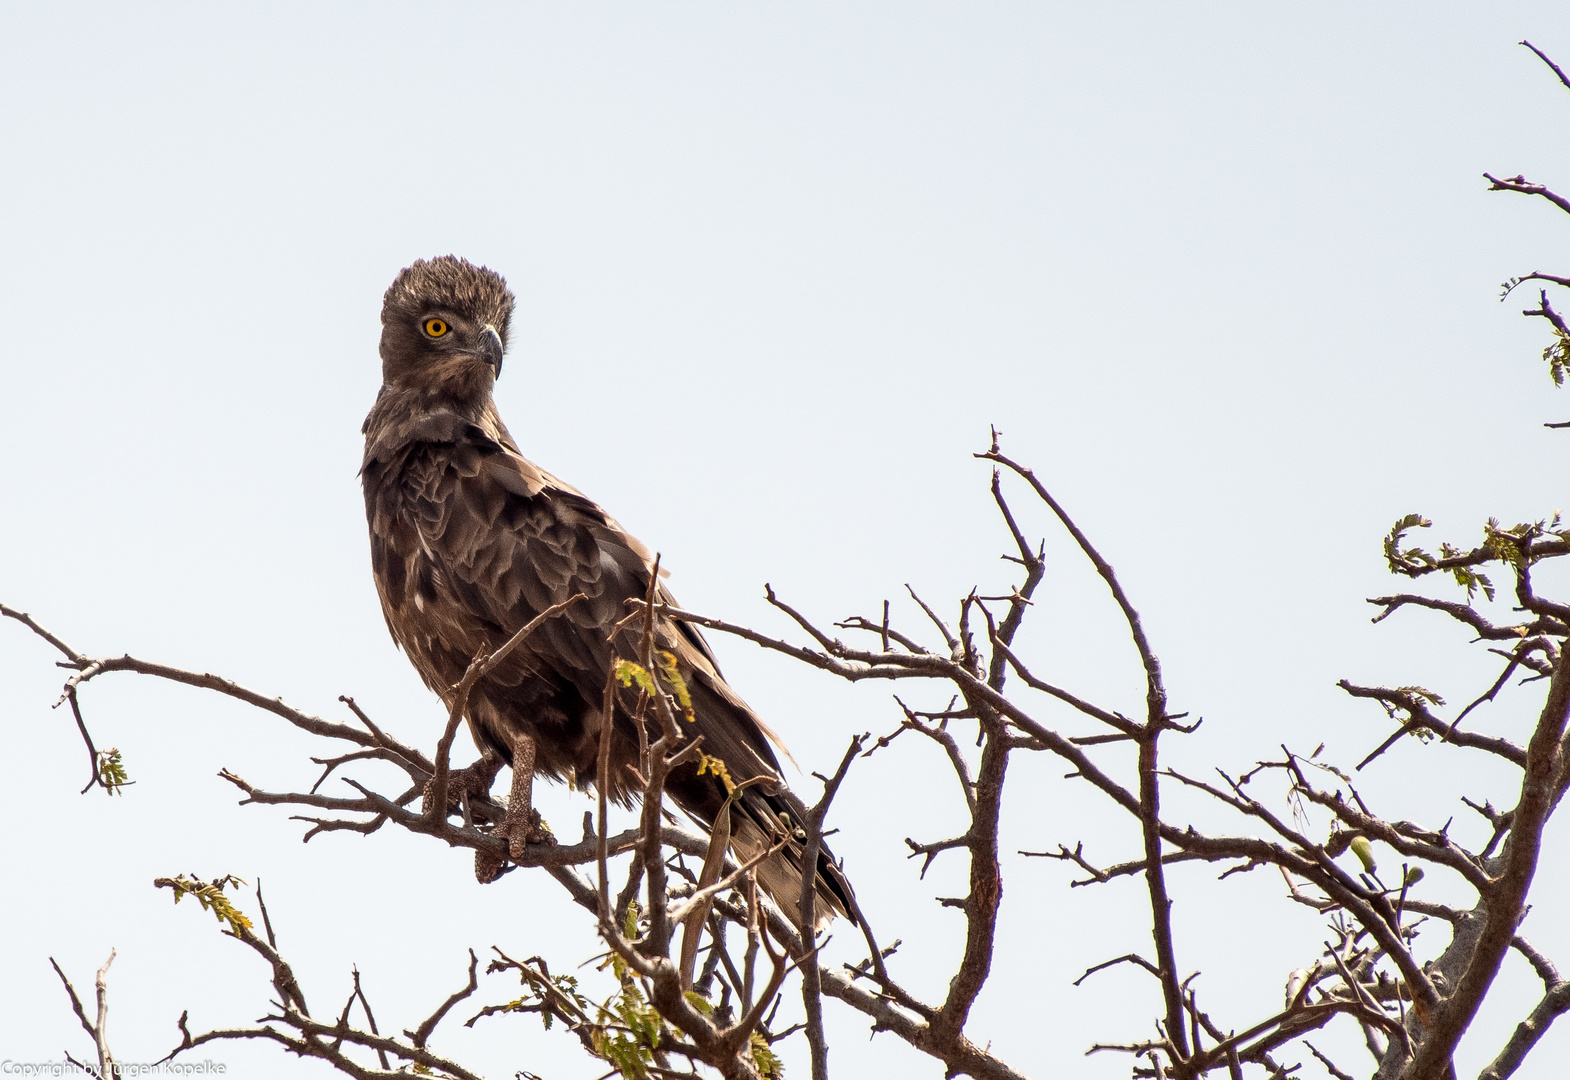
(765, 812)
(757, 823)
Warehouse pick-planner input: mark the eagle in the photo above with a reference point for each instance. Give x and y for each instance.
(470, 541)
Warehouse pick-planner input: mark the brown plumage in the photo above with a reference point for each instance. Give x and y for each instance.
(470, 540)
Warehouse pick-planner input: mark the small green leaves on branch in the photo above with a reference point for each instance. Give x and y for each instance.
(1410, 560)
(1414, 561)
(764, 1060)
(678, 685)
(1558, 356)
(1469, 579)
(625, 1031)
(1514, 545)
(111, 771)
(628, 1032)
(211, 896)
(1520, 546)
(707, 763)
(629, 672)
(1421, 692)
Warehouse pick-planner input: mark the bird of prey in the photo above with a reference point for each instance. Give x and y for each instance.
(470, 541)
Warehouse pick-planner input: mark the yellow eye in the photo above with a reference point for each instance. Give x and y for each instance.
(435, 327)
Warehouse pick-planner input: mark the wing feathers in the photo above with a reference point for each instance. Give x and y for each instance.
(469, 541)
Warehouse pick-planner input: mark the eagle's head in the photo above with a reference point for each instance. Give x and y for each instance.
(444, 328)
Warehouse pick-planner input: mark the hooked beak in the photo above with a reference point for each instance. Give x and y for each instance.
(490, 349)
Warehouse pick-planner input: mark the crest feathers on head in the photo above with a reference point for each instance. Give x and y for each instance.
(450, 283)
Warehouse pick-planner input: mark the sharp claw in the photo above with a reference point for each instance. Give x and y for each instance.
(532, 830)
(487, 867)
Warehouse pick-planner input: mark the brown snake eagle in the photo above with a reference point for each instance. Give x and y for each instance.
(470, 540)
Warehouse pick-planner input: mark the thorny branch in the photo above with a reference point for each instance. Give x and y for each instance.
(292, 1026)
(1352, 981)
(977, 671)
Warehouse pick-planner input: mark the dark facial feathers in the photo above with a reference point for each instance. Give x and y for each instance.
(472, 309)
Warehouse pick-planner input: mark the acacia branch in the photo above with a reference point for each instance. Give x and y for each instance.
(1310, 860)
(1436, 848)
(1528, 1033)
(1156, 693)
(95, 1031)
(1421, 718)
(806, 912)
(1525, 187)
(1128, 958)
(1121, 724)
(1020, 598)
(940, 735)
(423, 1033)
(1507, 898)
(1463, 613)
(1149, 791)
(1537, 549)
(1545, 969)
(77, 658)
(1563, 80)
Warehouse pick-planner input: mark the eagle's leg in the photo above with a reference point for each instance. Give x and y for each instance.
(522, 825)
(473, 781)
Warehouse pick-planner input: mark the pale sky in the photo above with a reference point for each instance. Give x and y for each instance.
(1227, 277)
